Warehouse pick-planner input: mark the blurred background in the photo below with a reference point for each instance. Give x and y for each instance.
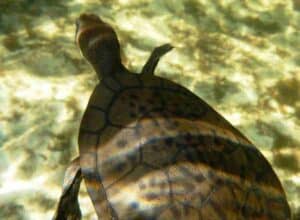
(242, 57)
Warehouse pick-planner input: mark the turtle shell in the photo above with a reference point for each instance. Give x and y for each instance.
(151, 149)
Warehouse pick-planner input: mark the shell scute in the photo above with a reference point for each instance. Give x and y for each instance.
(135, 104)
(165, 157)
(131, 80)
(105, 136)
(151, 81)
(112, 83)
(114, 161)
(88, 140)
(101, 97)
(93, 113)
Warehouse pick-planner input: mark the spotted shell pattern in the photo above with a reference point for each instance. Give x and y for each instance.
(159, 152)
(151, 149)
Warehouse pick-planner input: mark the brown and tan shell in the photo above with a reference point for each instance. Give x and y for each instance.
(150, 149)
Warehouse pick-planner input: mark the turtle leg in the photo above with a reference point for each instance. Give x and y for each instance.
(68, 206)
(152, 61)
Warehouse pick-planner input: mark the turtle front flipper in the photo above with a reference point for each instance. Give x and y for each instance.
(152, 62)
(68, 207)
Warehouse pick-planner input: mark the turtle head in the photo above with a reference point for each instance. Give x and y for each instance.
(99, 44)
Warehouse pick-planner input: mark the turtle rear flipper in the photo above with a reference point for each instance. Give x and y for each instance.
(68, 207)
(152, 61)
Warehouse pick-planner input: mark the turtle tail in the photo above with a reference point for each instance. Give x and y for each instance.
(68, 207)
(152, 61)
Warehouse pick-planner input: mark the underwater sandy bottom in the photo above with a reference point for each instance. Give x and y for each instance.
(242, 57)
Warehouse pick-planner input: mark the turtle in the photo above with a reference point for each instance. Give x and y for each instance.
(151, 149)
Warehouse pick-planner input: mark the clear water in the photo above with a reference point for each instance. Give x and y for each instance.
(242, 57)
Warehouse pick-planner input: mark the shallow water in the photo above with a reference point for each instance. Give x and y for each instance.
(242, 57)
